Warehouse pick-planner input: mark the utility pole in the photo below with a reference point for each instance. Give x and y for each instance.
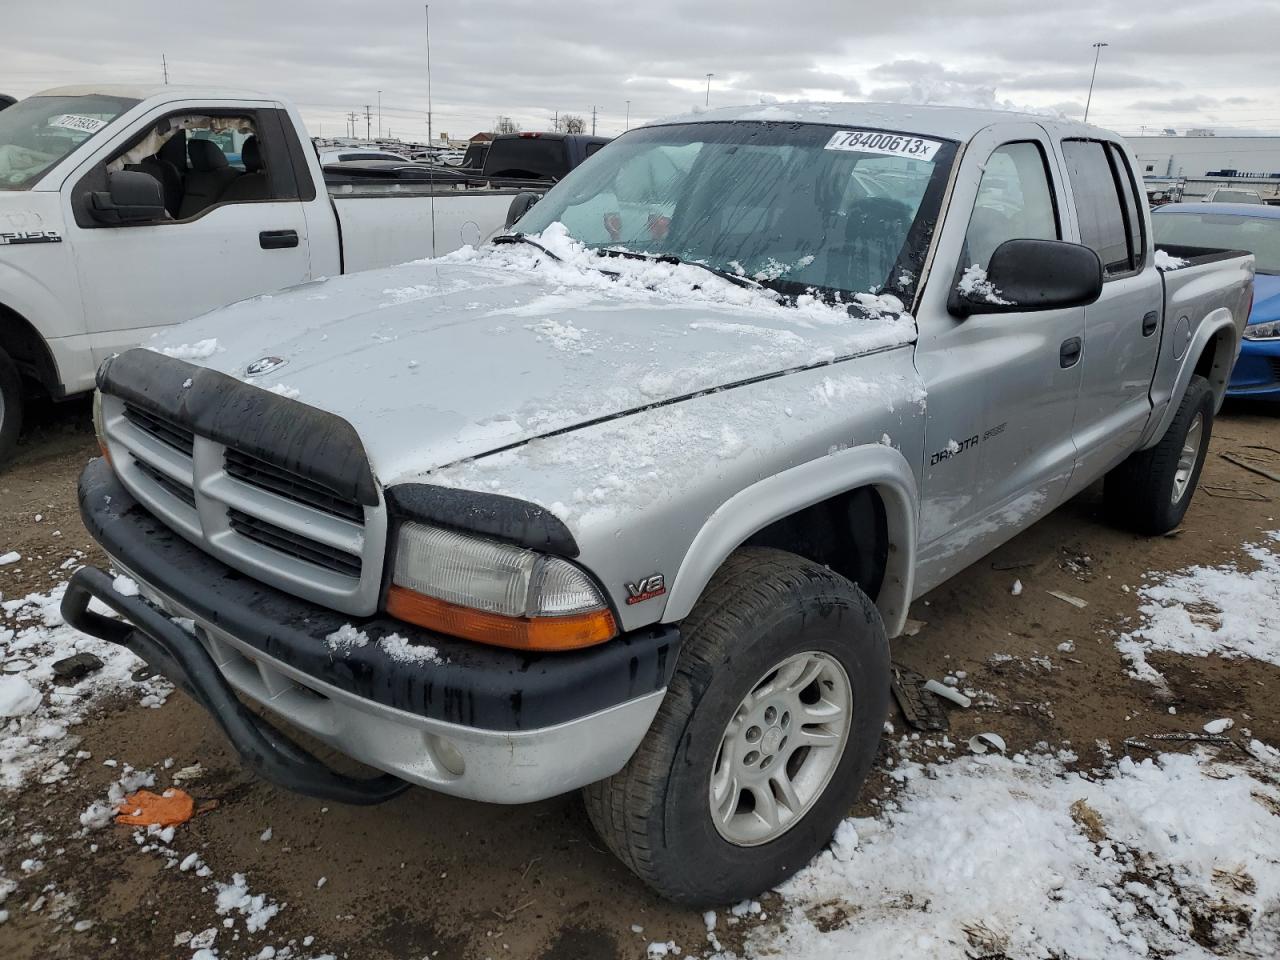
(427, 8)
(593, 120)
(379, 114)
(164, 65)
(1097, 52)
(628, 126)
(709, 76)
(368, 120)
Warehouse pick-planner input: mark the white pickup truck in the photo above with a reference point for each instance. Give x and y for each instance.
(125, 209)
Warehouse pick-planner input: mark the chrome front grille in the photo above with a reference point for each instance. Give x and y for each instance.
(277, 526)
(288, 484)
(180, 438)
(293, 545)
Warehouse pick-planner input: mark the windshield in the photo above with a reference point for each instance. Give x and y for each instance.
(38, 132)
(1257, 235)
(796, 206)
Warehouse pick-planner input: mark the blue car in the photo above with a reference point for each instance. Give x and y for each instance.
(1239, 226)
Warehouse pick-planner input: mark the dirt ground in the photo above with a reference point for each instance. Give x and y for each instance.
(430, 876)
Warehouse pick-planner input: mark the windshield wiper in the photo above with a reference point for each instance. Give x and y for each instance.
(521, 238)
(736, 279)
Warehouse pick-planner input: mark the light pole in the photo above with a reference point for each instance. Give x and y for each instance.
(628, 126)
(1097, 52)
(709, 76)
(379, 114)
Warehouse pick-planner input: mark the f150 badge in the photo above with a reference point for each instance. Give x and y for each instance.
(12, 237)
(651, 586)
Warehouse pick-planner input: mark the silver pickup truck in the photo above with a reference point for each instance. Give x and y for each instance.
(633, 500)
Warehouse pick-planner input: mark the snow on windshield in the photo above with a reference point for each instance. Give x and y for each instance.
(571, 267)
(797, 207)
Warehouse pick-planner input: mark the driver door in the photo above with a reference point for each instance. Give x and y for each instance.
(137, 279)
(1002, 387)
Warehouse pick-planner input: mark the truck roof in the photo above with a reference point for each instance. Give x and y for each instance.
(953, 123)
(142, 91)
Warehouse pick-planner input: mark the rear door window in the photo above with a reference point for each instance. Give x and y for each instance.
(1134, 226)
(1099, 208)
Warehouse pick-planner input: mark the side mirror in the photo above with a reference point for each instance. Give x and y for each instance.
(131, 197)
(520, 206)
(1027, 275)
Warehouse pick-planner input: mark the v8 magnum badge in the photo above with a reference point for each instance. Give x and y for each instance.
(264, 365)
(651, 586)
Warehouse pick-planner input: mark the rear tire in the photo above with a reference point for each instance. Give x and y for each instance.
(10, 407)
(1151, 491)
(767, 622)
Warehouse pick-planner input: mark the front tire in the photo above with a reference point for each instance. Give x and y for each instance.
(1151, 491)
(10, 407)
(767, 732)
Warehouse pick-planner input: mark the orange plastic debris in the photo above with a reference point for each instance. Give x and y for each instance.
(145, 808)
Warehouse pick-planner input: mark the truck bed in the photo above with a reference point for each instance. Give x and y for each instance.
(1208, 281)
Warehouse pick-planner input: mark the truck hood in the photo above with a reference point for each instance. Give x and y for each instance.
(439, 361)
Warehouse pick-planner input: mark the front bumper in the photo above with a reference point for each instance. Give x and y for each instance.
(1257, 370)
(473, 721)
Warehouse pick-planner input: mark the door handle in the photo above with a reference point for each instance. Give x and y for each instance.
(277, 239)
(1149, 323)
(1069, 352)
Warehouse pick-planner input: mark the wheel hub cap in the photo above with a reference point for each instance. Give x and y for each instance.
(1187, 458)
(780, 749)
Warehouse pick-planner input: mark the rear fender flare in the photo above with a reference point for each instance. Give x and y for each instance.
(1215, 322)
(750, 510)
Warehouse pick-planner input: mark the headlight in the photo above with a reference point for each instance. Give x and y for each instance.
(1262, 331)
(494, 593)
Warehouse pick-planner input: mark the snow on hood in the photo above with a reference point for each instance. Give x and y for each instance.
(445, 359)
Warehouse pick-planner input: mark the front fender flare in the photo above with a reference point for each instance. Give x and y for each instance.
(778, 496)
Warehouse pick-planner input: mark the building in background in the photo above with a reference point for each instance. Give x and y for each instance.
(1203, 154)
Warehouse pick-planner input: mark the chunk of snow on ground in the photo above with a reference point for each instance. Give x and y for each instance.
(11, 557)
(1221, 610)
(1166, 261)
(985, 856)
(1221, 725)
(257, 910)
(17, 697)
(32, 629)
(974, 284)
(289, 393)
(200, 350)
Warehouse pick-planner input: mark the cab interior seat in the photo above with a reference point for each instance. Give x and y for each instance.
(252, 184)
(208, 177)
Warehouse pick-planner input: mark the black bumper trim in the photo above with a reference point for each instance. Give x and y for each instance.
(182, 658)
(467, 684)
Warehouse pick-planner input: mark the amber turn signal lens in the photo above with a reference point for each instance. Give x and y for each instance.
(519, 633)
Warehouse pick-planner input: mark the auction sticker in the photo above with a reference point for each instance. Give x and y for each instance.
(886, 144)
(70, 121)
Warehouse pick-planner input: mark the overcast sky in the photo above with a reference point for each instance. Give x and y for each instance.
(1177, 64)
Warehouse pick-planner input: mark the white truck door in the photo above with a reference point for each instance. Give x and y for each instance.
(1002, 386)
(236, 227)
(1122, 329)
